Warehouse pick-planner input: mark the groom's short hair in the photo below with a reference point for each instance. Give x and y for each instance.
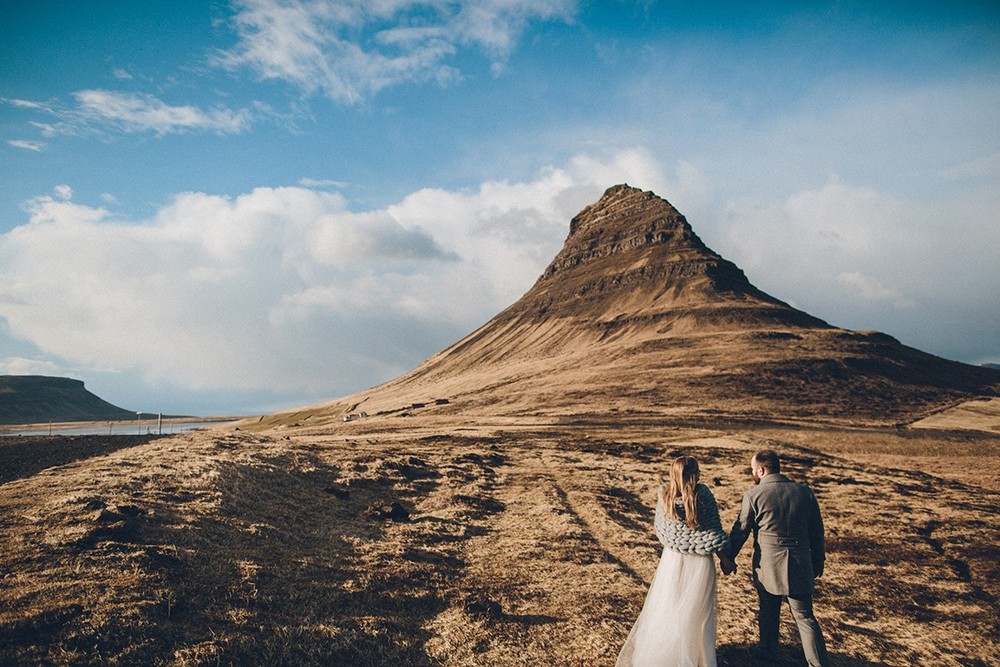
(768, 460)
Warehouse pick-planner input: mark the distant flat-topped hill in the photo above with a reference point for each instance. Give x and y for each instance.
(636, 316)
(36, 399)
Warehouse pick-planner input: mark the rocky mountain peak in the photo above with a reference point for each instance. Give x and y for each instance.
(625, 219)
(632, 255)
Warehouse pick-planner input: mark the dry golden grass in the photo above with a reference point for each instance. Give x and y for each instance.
(427, 541)
(976, 415)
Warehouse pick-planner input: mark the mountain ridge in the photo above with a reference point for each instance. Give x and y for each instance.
(36, 399)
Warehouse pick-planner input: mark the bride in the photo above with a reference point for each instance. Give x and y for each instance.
(676, 627)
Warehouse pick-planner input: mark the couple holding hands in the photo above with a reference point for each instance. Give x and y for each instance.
(677, 625)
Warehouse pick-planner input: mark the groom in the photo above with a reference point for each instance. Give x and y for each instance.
(788, 553)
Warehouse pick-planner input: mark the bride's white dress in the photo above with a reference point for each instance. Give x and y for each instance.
(676, 627)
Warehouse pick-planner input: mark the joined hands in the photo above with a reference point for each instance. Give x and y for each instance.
(727, 564)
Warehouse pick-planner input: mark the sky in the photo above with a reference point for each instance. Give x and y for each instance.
(228, 208)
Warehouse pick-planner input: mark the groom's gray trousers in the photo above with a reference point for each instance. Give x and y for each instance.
(802, 611)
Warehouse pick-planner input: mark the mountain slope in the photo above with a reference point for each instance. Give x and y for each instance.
(34, 399)
(636, 315)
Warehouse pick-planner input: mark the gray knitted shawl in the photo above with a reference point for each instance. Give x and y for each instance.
(676, 535)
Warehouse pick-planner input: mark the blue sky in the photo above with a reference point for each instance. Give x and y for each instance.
(230, 208)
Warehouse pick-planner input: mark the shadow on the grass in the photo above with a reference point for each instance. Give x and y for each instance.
(24, 456)
(269, 559)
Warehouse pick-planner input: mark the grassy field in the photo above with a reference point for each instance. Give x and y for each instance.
(523, 542)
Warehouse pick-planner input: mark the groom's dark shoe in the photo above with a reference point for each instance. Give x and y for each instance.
(762, 653)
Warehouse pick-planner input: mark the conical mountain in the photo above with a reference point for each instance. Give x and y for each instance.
(636, 317)
(632, 258)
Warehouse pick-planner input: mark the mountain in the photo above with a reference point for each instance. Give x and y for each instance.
(636, 316)
(36, 399)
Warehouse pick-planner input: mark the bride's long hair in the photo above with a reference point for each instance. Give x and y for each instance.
(684, 474)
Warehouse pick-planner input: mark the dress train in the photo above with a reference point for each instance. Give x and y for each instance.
(677, 625)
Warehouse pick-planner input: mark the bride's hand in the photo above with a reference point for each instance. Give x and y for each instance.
(727, 564)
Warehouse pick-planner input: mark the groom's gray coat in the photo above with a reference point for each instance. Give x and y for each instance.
(788, 535)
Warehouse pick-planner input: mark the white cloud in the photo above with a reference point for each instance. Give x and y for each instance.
(287, 290)
(988, 166)
(145, 113)
(322, 183)
(870, 289)
(284, 289)
(47, 129)
(865, 259)
(22, 104)
(349, 51)
(22, 366)
(35, 146)
(99, 110)
(822, 233)
(187, 296)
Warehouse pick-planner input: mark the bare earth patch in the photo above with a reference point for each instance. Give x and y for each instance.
(521, 542)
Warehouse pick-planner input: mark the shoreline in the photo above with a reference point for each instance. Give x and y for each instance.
(115, 427)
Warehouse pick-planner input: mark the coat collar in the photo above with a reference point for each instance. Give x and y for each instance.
(773, 477)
